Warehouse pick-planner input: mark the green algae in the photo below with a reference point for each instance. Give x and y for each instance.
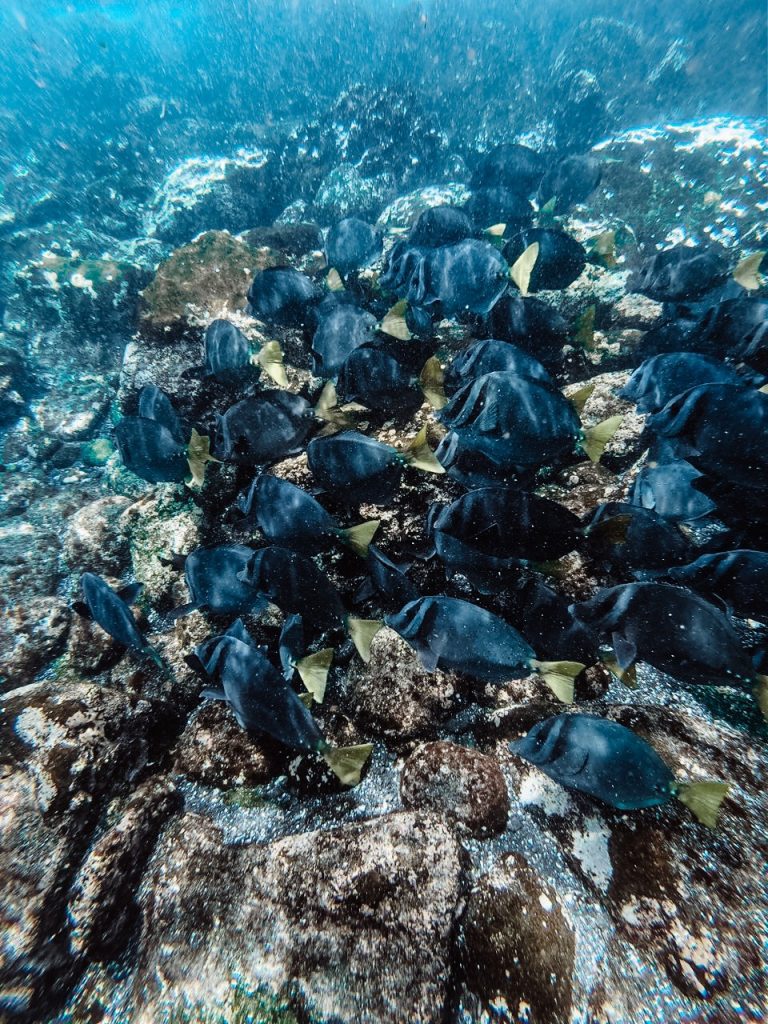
(246, 1006)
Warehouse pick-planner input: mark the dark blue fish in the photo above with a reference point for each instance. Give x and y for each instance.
(736, 329)
(489, 532)
(264, 703)
(212, 576)
(530, 323)
(406, 272)
(374, 377)
(670, 490)
(440, 225)
(560, 260)
(490, 206)
(492, 356)
(472, 469)
(311, 668)
(456, 636)
(352, 244)
(624, 537)
(111, 610)
(387, 579)
(661, 378)
(360, 469)
(261, 430)
(155, 405)
(571, 180)
(737, 578)
(468, 277)
(682, 272)
(341, 329)
(227, 351)
(611, 763)
(290, 517)
(295, 584)
(673, 630)
(509, 165)
(544, 618)
(281, 295)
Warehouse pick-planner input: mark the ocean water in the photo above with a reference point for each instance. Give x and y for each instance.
(232, 231)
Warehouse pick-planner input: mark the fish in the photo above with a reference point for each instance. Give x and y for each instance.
(289, 517)
(488, 532)
(544, 618)
(472, 469)
(733, 329)
(152, 444)
(387, 579)
(613, 764)
(260, 430)
(661, 378)
(111, 610)
(669, 489)
(212, 578)
(530, 323)
(264, 703)
(488, 206)
(455, 636)
(341, 329)
(738, 579)
(490, 356)
(623, 537)
(571, 180)
(679, 273)
(229, 355)
(352, 244)
(360, 469)
(468, 277)
(282, 295)
(516, 421)
(511, 166)
(311, 668)
(721, 428)
(671, 629)
(560, 258)
(440, 225)
(295, 584)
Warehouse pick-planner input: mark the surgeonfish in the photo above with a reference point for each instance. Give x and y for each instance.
(611, 763)
(111, 610)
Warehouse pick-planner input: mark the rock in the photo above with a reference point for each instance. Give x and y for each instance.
(101, 908)
(215, 751)
(145, 362)
(158, 526)
(292, 240)
(459, 783)
(207, 278)
(395, 696)
(638, 311)
(29, 560)
(220, 193)
(353, 924)
(518, 946)
(626, 445)
(96, 538)
(66, 750)
(90, 650)
(31, 635)
(345, 193)
(404, 211)
(688, 181)
(73, 411)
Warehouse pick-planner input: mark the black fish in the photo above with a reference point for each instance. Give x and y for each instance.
(572, 180)
(281, 295)
(263, 702)
(738, 578)
(469, 276)
(487, 532)
(374, 377)
(290, 517)
(510, 165)
(227, 350)
(559, 262)
(490, 206)
(261, 430)
(544, 618)
(387, 579)
(491, 356)
(352, 244)
(660, 379)
(737, 329)
(340, 330)
(624, 537)
(607, 761)
(673, 630)
(457, 636)
(111, 610)
(360, 469)
(530, 323)
(212, 576)
(670, 490)
(440, 225)
(682, 272)
(295, 584)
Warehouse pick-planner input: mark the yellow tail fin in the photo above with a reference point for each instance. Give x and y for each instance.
(559, 677)
(523, 266)
(359, 537)
(432, 381)
(703, 799)
(347, 763)
(419, 454)
(394, 323)
(198, 454)
(597, 437)
(313, 671)
(362, 632)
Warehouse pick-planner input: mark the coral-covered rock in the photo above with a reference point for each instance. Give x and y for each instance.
(346, 193)
(459, 783)
(31, 635)
(96, 538)
(347, 925)
(215, 751)
(518, 946)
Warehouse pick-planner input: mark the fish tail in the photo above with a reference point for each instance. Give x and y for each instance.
(703, 799)
(270, 359)
(761, 695)
(362, 632)
(394, 323)
(597, 437)
(313, 671)
(198, 455)
(559, 677)
(432, 381)
(419, 454)
(359, 537)
(347, 763)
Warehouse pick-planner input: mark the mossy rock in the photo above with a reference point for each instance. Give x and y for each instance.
(209, 277)
(245, 1007)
